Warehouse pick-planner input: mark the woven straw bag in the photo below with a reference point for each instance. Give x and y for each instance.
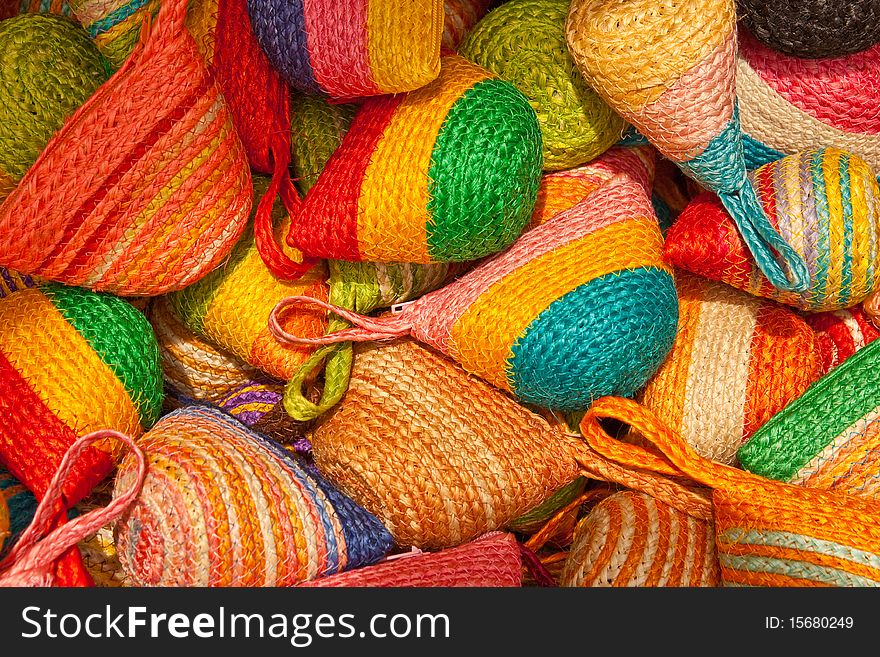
(48, 68)
(316, 128)
(10, 8)
(445, 173)
(813, 28)
(259, 406)
(223, 506)
(351, 49)
(668, 67)
(489, 561)
(825, 203)
(173, 191)
(459, 18)
(829, 438)
(631, 539)
(193, 368)
(766, 533)
(523, 42)
(532, 521)
(788, 104)
(578, 307)
(105, 376)
(841, 333)
(115, 25)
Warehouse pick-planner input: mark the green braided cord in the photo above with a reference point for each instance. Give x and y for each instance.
(316, 130)
(532, 521)
(48, 68)
(362, 287)
(523, 42)
(122, 337)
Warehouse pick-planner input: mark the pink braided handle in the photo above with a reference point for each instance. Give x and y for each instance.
(367, 328)
(30, 562)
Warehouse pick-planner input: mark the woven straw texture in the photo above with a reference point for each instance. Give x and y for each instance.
(789, 104)
(230, 306)
(825, 203)
(445, 173)
(173, 191)
(115, 25)
(489, 561)
(841, 333)
(259, 406)
(20, 506)
(439, 456)
(523, 42)
(99, 550)
(316, 130)
(459, 18)
(766, 533)
(11, 281)
(631, 539)
(668, 67)
(223, 506)
(48, 68)
(532, 521)
(4, 522)
(192, 367)
(106, 376)
(10, 8)
(829, 438)
(737, 361)
(579, 307)
(351, 49)
(813, 28)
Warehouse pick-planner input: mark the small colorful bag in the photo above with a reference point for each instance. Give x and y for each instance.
(578, 307)
(48, 68)
(447, 173)
(788, 104)
(766, 533)
(439, 456)
(351, 49)
(171, 195)
(492, 560)
(193, 368)
(813, 28)
(826, 205)
(829, 438)
(459, 18)
(841, 333)
(223, 506)
(737, 361)
(72, 362)
(523, 42)
(316, 131)
(115, 25)
(631, 539)
(668, 67)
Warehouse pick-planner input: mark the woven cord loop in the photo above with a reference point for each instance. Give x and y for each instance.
(368, 328)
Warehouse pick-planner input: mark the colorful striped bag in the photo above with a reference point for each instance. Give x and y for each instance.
(766, 533)
(173, 191)
(354, 48)
(115, 25)
(826, 205)
(72, 362)
(841, 333)
(668, 67)
(578, 307)
(829, 438)
(223, 506)
(445, 173)
(523, 42)
(10, 8)
(736, 362)
(788, 104)
(259, 405)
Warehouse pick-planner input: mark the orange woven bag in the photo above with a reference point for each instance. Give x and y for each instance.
(146, 187)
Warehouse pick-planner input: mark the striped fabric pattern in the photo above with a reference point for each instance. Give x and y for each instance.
(737, 361)
(445, 173)
(223, 506)
(631, 539)
(115, 25)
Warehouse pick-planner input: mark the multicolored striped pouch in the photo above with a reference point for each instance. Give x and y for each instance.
(446, 173)
(830, 437)
(826, 205)
(736, 362)
(841, 333)
(115, 25)
(578, 307)
(72, 362)
(353, 48)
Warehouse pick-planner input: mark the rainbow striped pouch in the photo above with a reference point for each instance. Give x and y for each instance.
(443, 174)
(737, 361)
(578, 307)
(826, 205)
(353, 48)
